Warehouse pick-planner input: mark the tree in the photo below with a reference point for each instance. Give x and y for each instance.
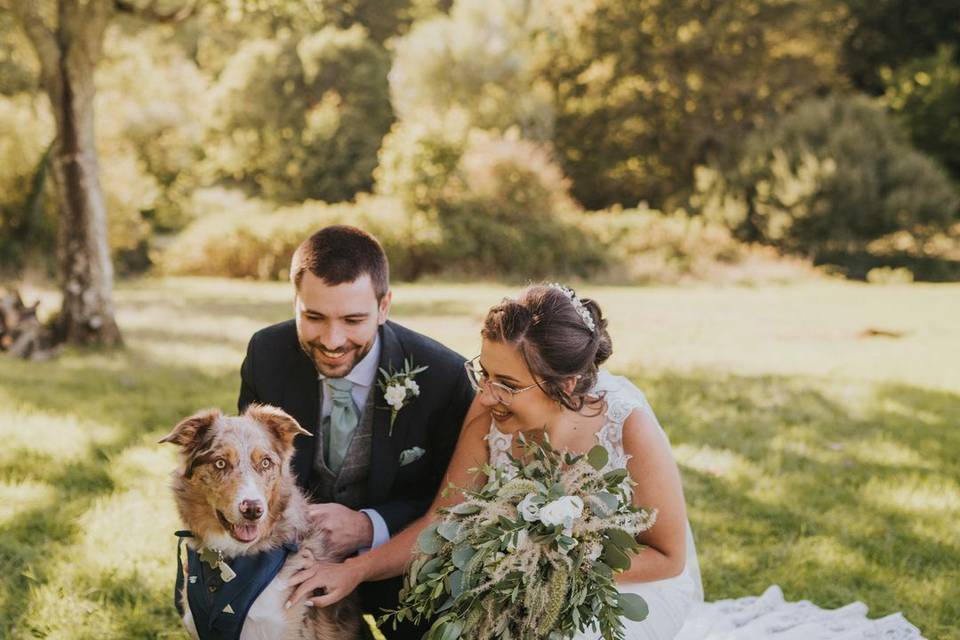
(67, 36)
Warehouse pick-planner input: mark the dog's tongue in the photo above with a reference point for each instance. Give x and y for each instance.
(245, 532)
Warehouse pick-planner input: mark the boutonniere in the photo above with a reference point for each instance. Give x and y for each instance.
(399, 388)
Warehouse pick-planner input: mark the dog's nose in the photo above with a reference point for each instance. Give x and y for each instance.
(251, 509)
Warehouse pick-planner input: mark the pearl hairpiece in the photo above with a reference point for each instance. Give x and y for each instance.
(577, 304)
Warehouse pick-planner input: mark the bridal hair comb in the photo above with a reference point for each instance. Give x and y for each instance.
(577, 304)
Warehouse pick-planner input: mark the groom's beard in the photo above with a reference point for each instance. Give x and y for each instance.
(330, 367)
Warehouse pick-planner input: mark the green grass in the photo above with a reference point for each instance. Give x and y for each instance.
(813, 457)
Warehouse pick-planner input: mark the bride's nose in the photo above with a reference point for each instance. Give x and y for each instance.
(487, 399)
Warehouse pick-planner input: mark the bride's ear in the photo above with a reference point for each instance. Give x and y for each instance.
(569, 384)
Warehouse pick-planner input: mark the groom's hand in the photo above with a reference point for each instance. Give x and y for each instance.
(344, 530)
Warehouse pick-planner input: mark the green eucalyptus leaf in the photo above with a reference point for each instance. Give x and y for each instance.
(633, 606)
(428, 540)
(622, 539)
(449, 530)
(431, 567)
(465, 509)
(598, 457)
(456, 583)
(462, 555)
(615, 477)
(615, 557)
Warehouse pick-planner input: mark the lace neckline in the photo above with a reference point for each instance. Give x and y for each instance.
(610, 435)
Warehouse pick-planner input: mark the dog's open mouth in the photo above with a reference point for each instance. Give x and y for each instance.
(242, 532)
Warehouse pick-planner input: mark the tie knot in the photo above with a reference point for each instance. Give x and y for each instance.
(340, 386)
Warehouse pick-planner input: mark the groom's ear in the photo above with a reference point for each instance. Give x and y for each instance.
(383, 310)
(278, 423)
(192, 430)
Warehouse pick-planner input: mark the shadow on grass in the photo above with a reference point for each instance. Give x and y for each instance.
(125, 391)
(788, 481)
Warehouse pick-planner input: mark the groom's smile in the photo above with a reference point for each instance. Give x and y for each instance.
(337, 323)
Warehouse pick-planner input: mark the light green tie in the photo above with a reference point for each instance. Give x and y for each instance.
(343, 421)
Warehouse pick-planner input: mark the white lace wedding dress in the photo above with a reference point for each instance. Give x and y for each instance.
(677, 609)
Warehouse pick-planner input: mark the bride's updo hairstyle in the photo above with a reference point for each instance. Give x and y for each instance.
(555, 341)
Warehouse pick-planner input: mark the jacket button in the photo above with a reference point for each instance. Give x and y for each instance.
(212, 589)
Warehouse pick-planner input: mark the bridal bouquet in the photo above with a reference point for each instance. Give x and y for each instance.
(530, 555)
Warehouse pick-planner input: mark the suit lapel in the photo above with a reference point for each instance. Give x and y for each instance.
(301, 399)
(385, 449)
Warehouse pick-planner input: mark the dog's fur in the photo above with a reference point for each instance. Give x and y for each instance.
(230, 463)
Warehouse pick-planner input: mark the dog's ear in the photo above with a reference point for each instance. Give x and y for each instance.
(278, 422)
(191, 430)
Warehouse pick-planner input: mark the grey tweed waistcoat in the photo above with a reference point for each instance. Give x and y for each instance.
(349, 486)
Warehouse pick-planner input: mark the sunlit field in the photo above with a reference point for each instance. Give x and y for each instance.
(817, 426)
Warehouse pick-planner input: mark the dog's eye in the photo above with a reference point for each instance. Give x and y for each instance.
(266, 463)
(220, 463)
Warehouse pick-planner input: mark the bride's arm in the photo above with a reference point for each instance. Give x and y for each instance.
(655, 471)
(391, 558)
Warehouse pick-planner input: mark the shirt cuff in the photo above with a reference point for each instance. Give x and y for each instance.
(381, 533)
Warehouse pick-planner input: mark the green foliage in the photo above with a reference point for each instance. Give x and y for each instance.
(926, 93)
(828, 178)
(892, 33)
(242, 238)
(27, 202)
(500, 201)
(297, 119)
(646, 90)
(480, 60)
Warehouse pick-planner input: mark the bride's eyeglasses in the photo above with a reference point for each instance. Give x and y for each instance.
(481, 382)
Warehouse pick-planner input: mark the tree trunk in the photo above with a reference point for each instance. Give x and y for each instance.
(86, 273)
(68, 53)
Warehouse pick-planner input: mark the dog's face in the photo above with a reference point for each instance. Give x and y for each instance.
(235, 478)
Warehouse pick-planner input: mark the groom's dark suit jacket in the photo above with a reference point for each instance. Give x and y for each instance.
(276, 371)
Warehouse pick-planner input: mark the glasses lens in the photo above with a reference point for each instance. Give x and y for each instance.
(473, 375)
(500, 393)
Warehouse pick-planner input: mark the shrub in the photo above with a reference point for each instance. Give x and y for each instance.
(238, 237)
(302, 119)
(828, 178)
(501, 202)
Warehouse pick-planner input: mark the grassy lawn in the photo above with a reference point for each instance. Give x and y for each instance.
(815, 455)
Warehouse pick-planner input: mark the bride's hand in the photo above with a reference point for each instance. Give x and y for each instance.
(335, 580)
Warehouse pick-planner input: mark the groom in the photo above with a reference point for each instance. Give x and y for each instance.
(370, 466)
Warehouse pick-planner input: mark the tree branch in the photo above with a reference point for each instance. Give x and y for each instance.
(151, 13)
(42, 37)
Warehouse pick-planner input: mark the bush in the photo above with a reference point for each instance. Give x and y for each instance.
(501, 203)
(239, 237)
(926, 93)
(295, 120)
(890, 275)
(829, 178)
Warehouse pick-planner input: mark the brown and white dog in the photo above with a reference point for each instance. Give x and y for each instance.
(236, 494)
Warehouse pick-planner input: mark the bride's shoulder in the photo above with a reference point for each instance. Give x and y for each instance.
(622, 397)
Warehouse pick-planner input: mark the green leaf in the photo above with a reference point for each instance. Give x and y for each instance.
(428, 540)
(608, 502)
(456, 583)
(449, 530)
(451, 630)
(615, 557)
(615, 477)
(464, 509)
(634, 607)
(598, 457)
(431, 567)
(462, 555)
(622, 539)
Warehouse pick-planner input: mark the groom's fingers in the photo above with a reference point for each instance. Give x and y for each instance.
(307, 585)
(331, 597)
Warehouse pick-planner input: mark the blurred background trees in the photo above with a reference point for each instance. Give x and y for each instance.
(506, 137)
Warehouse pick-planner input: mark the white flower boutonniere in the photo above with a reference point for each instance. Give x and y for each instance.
(399, 388)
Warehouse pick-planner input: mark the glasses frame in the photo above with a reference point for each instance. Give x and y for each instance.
(481, 382)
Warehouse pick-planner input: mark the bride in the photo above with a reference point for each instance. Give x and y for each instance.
(539, 370)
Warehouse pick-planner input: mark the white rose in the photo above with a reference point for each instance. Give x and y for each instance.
(395, 395)
(413, 386)
(528, 509)
(562, 511)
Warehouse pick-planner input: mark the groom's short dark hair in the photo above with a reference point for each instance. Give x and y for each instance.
(339, 254)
